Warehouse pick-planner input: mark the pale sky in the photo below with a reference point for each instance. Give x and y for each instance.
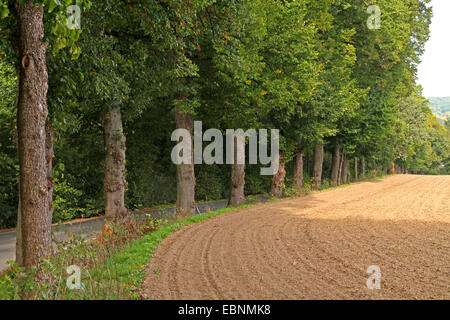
(434, 71)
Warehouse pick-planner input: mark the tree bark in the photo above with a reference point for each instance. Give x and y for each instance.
(363, 167)
(336, 163)
(114, 183)
(19, 247)
(392, 169)
(356, 169)
(347, 166)
(278, 179)
(31, 119)
(345, 170)
(341, 165)
(237, 193)
(318, 166)
(185, 172)
(297, 180)
(19, 242)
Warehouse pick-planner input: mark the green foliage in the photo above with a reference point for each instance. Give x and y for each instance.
(423, 143)
(8, 151)
(255, 184)
(71, 203)
(209, 183)
(57, 17)
(309, 68)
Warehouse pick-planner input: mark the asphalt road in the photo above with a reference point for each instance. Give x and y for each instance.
(89, 227)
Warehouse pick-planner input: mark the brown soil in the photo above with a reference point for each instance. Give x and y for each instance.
(316, 247)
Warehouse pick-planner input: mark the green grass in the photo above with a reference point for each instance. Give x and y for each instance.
(356, 182)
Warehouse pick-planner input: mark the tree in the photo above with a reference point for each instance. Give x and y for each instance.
(181, 46)
(34, 187)
(292, 69)
(229, 61)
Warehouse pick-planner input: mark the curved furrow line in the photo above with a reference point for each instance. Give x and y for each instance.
(318, 275)
(207, 267)
(312, 262)
(350, 272)
(242, 264)
(175, 276)
(360, 256)
(265, 267)
(228, 252)
(162, 261)
(287, 271)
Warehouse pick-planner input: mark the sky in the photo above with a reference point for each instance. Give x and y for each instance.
(434, 71)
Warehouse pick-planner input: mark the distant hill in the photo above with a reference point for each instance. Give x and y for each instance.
(440, 107)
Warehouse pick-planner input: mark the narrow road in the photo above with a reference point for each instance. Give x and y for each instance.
(316, 247)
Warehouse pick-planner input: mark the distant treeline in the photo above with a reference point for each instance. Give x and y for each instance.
(440, 107)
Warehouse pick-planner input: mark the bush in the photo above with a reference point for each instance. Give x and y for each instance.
(255, 183)
(325, 184)
(71, 203)
(212, 182)
(66, 202)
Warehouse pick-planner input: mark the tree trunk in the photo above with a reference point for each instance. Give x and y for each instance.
(114, 183)
(297, 177)
(31, 119)
(347, 165)
(237, 195)
(341, 165)
(356, 169)
(345, 169)
(363, 167)
(318, 165)
(237, 184)
(336, 163)
(185, 172)
(278, 179)
(392, 169)
(297, 180)
(19, 248)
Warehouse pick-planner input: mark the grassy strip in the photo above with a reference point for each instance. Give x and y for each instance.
(356, 182)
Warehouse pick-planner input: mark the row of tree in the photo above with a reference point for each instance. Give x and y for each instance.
(315, 70)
